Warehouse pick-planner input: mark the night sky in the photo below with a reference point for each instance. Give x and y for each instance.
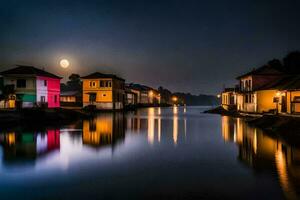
(188, 46)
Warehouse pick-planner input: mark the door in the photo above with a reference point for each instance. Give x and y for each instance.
(283, 103)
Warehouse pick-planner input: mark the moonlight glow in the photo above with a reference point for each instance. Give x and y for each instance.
(64, 63)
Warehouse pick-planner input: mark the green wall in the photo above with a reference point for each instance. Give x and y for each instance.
(27, 97)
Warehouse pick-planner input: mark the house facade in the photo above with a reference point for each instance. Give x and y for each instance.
(229, 99)
(104, 91)
(71, 98)
(131, 97)
(288, 94)
(32, 87)
(145, 95)
(257, 93)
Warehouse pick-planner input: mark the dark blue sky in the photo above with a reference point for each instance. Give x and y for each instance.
(189, 46)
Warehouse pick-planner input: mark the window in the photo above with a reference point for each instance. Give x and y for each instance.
(21, 83)
(45, 83)
(55, 98)
(102, 83)
(297, 99)
(249, 98)
(250, 85)
(92, 84)
(104, 95)
(109, 83)
(43, 99)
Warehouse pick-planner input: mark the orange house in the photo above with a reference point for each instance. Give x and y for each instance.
(104, 91)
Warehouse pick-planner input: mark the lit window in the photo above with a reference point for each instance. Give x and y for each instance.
(93, 84)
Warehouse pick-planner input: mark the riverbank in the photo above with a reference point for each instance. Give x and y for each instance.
(284, 126)
(221, 111)
(40, 116)
(59, 116)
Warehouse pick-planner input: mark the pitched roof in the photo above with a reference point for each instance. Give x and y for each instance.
(291, 82)
(101, 75)
(229, 89)
(70, 93)
(287, 82)
(28, 70)
(265, 70)
(136, 86)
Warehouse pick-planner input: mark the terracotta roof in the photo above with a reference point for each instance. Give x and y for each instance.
(265, 70)
(28, 70)
(101, 75)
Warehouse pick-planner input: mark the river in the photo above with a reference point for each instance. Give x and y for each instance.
(152, 153)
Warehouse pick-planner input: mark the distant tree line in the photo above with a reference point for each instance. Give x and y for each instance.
(187, 98)
(73, 84)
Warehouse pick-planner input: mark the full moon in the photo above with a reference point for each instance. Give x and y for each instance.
(64, 63)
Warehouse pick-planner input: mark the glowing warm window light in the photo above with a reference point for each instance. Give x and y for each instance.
(174, 99)
(151, 93)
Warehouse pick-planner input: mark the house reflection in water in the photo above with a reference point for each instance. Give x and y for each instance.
(152, 122)
(265, 154)
(28, 146)
(105, 129)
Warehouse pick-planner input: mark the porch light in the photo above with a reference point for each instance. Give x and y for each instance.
(278, 94)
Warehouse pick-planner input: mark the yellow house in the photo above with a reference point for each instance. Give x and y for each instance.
(257, 92)
(229, 99)
(288, 95)
(104, 91)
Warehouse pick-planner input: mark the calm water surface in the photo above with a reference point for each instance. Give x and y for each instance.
(155, 153)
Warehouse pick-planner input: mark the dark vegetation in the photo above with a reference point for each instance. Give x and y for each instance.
(290, 64)
(73, 84)
(201, 99)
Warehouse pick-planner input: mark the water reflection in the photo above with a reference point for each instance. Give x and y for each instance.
(29, 145)
(157, 124)
(265, 154)
(105, 129)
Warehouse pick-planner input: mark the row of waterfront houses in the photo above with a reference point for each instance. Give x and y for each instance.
(28, 86)
(264, 90)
